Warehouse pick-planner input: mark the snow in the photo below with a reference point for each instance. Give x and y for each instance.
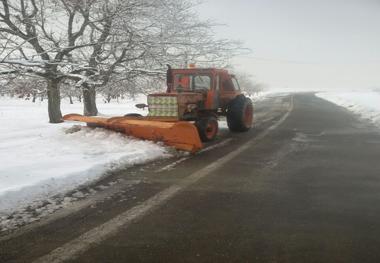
(42, 164)
(364, 103)
(39, 160)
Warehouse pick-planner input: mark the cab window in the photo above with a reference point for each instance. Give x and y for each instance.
(230, 84)
(201, 82)
(184, 82)
(236, 84)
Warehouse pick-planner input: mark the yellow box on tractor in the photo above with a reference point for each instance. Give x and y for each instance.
(186, 114)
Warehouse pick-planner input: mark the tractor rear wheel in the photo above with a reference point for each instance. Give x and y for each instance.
(207, 128)
(240, 114)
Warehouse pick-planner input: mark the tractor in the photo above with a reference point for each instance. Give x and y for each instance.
(187, 113)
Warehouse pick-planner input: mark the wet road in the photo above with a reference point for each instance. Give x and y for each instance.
(303, 186)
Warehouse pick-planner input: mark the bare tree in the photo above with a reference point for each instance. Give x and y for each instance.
(248, 84)
(29, 43)
(26, 87)
(98, 44)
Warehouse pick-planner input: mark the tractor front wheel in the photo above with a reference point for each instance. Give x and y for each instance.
(240, 114)
(207, 128)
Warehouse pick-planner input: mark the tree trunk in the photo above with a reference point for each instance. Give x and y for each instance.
(54, 102)
(89, 100)
(71, 99)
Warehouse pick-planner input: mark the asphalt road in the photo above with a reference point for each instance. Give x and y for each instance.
(303, 186)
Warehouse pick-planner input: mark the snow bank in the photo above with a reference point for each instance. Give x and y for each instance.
(364, 103)
(39, 160)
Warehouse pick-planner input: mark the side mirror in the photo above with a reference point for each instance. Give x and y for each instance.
(141, 106)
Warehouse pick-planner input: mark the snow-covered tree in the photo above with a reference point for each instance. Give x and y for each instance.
(248, 84)
(98, 43)
(27, 87)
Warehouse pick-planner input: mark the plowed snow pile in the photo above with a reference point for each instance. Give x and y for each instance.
(39, 160)
(364, 103)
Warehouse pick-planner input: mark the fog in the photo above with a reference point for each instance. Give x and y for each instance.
(304, 45)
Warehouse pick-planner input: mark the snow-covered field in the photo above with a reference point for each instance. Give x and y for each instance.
(364, 103)
(39, 160)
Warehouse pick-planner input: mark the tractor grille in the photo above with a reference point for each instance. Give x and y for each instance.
(163, 106)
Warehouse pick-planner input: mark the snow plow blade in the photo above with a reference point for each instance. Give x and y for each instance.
(181, 134)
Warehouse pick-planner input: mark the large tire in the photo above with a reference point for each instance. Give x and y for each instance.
(207, 128)
(240, 114)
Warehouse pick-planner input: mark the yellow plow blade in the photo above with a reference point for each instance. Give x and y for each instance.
(181, 134)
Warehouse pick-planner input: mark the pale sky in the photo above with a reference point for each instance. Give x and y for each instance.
(304, 44)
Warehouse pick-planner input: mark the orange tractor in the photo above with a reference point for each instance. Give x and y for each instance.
(186, 114)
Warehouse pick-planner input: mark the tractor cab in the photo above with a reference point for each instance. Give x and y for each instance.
(217, 85)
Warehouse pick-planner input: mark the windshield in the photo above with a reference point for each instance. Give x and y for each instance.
(189, 82)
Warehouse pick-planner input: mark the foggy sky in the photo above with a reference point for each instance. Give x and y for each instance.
(304, 44)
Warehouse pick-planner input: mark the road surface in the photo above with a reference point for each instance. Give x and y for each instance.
(303, 186)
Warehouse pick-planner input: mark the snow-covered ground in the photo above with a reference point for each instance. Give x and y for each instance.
(364, 103)
(39, 160)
